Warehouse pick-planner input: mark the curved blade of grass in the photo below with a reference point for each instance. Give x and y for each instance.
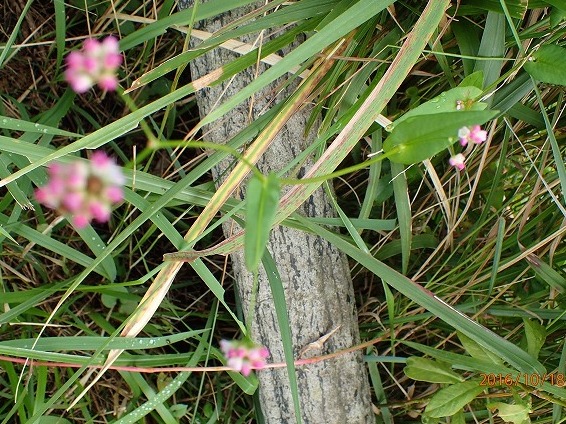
(26, 126)
(492, 45)
(346, 222)
(94, 342)
(60, 29)
(280, 305)
(8, 46)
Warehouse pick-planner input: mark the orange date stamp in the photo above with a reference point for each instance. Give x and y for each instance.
(528, 379)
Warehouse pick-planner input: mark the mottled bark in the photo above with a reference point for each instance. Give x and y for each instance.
(315, 276)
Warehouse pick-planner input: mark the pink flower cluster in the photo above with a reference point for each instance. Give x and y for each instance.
(473, 134)
(243, 356)
(83, 191)
(96, 63)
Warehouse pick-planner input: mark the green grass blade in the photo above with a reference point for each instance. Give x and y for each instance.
(7, 47)
(492, 45)
(26, 126)
(403, 208)
(95, 342)
(280, 305)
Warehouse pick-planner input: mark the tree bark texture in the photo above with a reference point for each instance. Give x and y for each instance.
(315, 276)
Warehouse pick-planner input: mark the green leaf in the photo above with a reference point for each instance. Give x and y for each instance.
(450, 101)
(536, 336)
(50, 419)
(450, 400)
(492, 46)
(404, 217)
(546, 273)
(179, 410)
(421, 137)
(557, 16)
(516, 414)
(423, 369)
(477, 351)
(53, 344)
(458, 418)
(26, 126)
(516, 8)
(278, 293)
(473, 80)
(547, 64)
(262, 199)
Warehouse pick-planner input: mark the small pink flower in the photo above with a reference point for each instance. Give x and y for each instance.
(477, 135)
(108, 82)
(80, 221)
(83, 191)
(243, 356)
(73, 201)
(114, 194)
(474, 134)
(458, 161)
(96, 63)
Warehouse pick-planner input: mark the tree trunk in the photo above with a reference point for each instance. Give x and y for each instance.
(315, 276)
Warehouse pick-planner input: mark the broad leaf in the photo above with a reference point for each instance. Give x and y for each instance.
(421, 137)
(262, 199)
(478, 351)
(454, 100)
(423, 369)
(547, 64)
(516, 414)
(448, 401)
(536, 336)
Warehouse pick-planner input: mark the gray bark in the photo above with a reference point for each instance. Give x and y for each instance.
(316, 277)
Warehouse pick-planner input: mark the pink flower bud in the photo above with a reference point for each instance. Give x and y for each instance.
(99, 211)
(458, 161)
(108, 82)
(80, 221)
(73, 202)
(114, 194)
